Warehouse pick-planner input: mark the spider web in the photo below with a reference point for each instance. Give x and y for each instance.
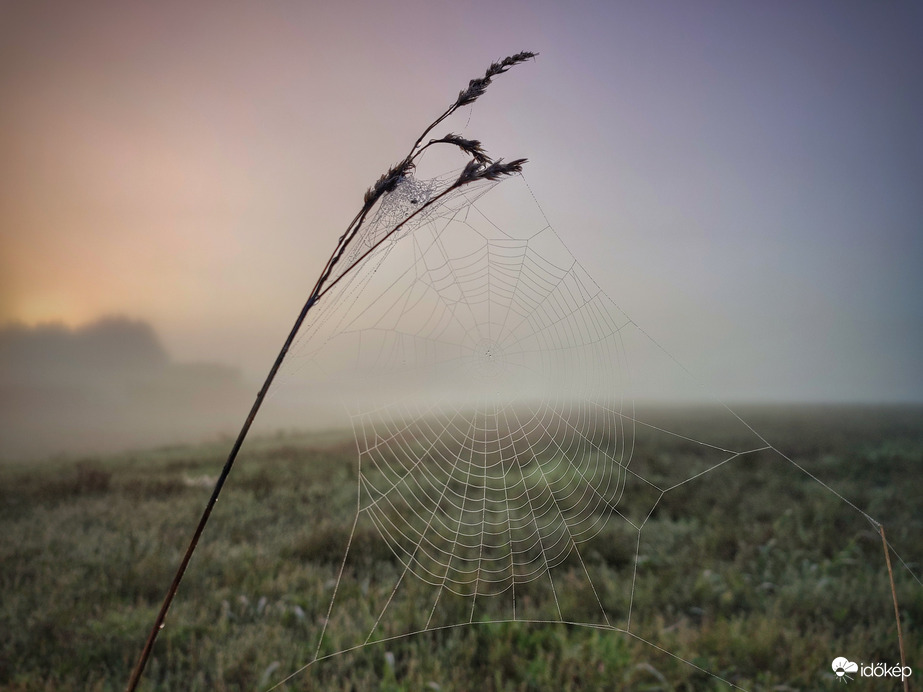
(496, 396)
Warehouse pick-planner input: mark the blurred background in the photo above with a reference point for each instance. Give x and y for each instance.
(742, 179)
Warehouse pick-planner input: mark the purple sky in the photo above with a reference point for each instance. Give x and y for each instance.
(743, 179)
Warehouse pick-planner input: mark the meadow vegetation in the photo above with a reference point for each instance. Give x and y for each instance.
(758, 574)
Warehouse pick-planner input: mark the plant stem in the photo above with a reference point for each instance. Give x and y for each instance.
(161, 616)
(897, 612)
(388, 181)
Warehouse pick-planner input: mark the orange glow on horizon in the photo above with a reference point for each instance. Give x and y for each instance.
(50, 309)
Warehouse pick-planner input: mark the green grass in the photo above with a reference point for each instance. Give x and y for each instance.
(754, 572)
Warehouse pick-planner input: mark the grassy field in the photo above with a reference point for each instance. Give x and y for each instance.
(756, 574)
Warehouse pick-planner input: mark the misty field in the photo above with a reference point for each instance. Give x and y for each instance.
(757, 574)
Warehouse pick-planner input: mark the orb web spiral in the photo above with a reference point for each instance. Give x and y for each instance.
(487, 385)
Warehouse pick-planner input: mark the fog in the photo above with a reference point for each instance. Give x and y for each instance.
(107, 386)
(742, 180)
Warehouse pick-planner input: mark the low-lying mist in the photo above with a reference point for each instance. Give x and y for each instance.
(107, 386)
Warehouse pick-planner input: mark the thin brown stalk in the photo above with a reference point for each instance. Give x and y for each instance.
(481, 167)
(897, 612)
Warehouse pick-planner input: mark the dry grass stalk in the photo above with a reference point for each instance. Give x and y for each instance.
(897, 612)
(481, 167)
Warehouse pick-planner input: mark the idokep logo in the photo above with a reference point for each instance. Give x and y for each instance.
(841, 666)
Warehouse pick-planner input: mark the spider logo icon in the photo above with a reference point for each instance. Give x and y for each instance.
(841, 666)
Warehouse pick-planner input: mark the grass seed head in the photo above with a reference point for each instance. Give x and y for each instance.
(388, 181)
(469, 146)
(475, 170)
(478, 86)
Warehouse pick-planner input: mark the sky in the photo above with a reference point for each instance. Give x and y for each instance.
(742, 178)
